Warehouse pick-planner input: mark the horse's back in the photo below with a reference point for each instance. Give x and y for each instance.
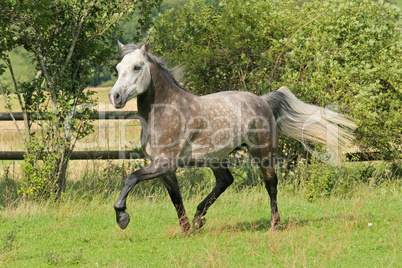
(238, 101)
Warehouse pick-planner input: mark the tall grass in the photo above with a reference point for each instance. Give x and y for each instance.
(315, 179)
(91, 179)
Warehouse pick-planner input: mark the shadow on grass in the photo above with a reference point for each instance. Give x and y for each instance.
(264, 224)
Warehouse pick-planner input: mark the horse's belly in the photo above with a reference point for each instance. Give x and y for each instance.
(214, 146)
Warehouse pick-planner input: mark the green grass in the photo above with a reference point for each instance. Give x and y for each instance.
(362, 230)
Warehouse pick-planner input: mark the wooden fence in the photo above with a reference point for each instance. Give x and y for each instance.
(134, 154)
(81, 155)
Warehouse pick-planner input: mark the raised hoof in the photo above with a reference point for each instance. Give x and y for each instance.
(199, 222)
(123, 219)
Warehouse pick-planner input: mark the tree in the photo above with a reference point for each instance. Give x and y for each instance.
(70, 41)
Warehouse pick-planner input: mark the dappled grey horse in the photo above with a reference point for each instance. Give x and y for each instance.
(180, 129)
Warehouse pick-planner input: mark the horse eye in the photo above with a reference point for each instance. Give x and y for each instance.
(137, 67)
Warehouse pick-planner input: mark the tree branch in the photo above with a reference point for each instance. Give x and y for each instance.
(51, 85)
(75, 38)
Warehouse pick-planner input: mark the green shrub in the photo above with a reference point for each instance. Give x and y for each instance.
(343, 54)
(39, 172)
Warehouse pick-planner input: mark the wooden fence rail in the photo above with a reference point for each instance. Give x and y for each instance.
(95, 116)
(135, 154)
(81, 155)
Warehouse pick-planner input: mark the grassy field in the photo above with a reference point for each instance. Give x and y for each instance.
(362, 230)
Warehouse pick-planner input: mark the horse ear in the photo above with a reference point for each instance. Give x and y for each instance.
(146, 46)
(120, 46)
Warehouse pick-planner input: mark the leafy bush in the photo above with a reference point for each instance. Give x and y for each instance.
(40, 170)
(343, 54)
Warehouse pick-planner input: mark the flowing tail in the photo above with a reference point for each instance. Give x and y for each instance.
(306, 122)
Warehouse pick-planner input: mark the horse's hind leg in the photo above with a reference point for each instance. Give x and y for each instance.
(172, 186)
(271, 184)
(223, 180)
(262, 146)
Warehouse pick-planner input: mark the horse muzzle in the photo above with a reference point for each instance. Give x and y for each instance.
(117, 100)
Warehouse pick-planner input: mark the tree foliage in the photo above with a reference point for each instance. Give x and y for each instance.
(343, 54)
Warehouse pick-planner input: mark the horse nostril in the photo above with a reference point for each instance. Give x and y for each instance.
(117, 98)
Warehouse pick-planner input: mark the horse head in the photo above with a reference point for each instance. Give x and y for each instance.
(134, 76)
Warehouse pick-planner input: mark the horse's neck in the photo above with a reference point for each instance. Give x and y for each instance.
(162, 94)
(145, 102)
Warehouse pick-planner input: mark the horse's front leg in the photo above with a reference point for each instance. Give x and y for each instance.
(151, 171)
